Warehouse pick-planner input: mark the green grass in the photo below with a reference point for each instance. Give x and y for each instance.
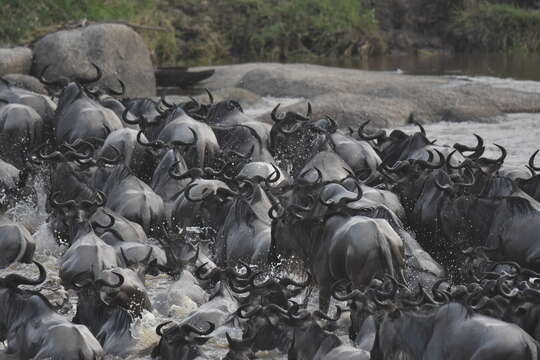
(203, 32)
(496, 27)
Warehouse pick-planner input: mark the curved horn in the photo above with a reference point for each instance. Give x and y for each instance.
(309, 110)
(210, 96)
(188, 328)
(127, 121)
(103, 282)
(464, 148)
(422, 130)
(240, 311)
(194, 173)
(161, 326)
(55, 203)
(428, 164)
(237, 345)
(122, 89)
(94, 79)
(274, 115)
(16, 279)
(181, 143)
(112, 221)
(206, 193)
(352, 295)
(531, 161)
(380, 134)
(326, 317)
(47, 82)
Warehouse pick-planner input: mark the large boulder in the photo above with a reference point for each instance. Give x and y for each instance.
(388, 99)
(116, 49)
(15, 60)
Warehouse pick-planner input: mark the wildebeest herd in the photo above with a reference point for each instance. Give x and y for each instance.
(218, 201)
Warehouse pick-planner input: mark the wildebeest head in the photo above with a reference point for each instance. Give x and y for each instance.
(239, 349)
(203, 203)
(265, 326)
(181, 341)
(73, 216)
(273, 290)
(296, 138)
(12, 298)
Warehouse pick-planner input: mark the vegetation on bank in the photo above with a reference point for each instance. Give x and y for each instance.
(189, 32)
(496, 27)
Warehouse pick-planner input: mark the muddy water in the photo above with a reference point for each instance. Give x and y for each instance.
(519, 133)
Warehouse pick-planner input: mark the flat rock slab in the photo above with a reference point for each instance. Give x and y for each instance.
(117, 49)
(15, 60)
(386, 98)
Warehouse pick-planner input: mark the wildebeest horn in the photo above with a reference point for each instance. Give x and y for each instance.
(326, 317)
(353, 294)
(531, 161)
(94, 79)
(100, 200)
(428, 164)
(319, 176)
(55, 203)
(274, 115)
(112, 221)
(240, 311)
(103, 282)
(464, 148)
(166, 103)
(189, 174)
(240, 155)
(181, 143)
(422, 130)
(47, 82)
(276, 211)
(161, 326)
(238, 345)
(156, 144)
(205, 193)
(449, 163)
(210, 96)
(122, 89)
(188, 328)
(503, 290)
(471, 181)
(378, 134)
(500, 160)
(14, 280)
(199, 272)
(131, 122)
(309, 110)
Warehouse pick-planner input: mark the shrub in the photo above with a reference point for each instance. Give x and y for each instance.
(496, 27)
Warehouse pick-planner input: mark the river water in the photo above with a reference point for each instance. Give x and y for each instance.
(522, 66)
(519, 133)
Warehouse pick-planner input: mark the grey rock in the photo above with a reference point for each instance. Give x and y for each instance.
(15, 60)
(117, 49)
(386, 98)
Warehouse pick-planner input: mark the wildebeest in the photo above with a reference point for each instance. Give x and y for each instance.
(33, 330)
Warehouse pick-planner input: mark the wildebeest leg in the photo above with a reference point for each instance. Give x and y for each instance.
(325, 281)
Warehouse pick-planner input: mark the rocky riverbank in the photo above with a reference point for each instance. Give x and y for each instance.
(388, 99)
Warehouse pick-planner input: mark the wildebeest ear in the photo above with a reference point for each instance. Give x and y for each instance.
(395, 314)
